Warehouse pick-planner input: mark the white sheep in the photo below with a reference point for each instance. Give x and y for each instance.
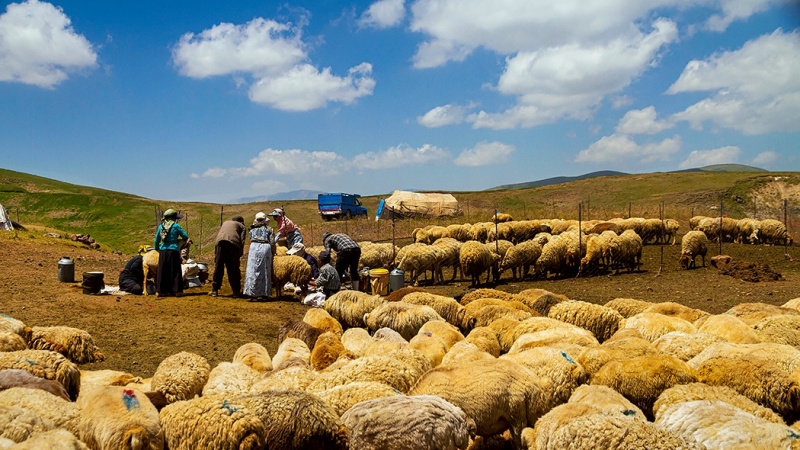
(747, 230)
(50, 408)
(56, 439)
(291, 348)
(693, 244)
(230, 378)
(729, 328)
(774, 232)
(399, 369)
(45, 364)
(343, 397)
(377, 255)
(447, 307)
(783, 329)
(685, 346)
(319, 318)
(602, 321)
(290, 269)
(77, 345)
(617, 349)
(181, 376)
(625, 251)
(558, 367)
(555, 337)
(349, 307)
(553, 259)
(18, 424)
(653, 325)
(408, 423)
(255, 356)
(118, 417)
(598, 252)
(402, 317)
(628, 306)
(212, 422)
(701, 391)
(521, 256)
(673, 309)
(475, 259)
(356, 340)
(10, 341)
(447, 332)
(418, 260)
(448, 256)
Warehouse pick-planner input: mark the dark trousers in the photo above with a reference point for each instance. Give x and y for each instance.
(129, 284)
(226, 257)
(348, 259)
(169, 278)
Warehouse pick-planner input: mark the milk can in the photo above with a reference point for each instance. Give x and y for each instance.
(396, 280)
(66, 270)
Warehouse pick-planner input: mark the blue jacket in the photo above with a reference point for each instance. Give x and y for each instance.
(171, 241)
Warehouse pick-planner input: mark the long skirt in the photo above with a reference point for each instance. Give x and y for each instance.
(169, 278)
(258, 278)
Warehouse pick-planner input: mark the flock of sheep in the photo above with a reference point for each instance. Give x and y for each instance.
(416, 370)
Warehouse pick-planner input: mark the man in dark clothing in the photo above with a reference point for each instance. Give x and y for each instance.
(347, 255)
(227, 254)
(131, 278)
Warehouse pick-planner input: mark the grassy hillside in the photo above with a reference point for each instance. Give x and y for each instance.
(122, 221)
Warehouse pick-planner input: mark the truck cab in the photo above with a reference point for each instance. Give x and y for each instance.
(340, 205)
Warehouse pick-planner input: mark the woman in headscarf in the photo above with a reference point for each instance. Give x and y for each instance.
(286, 228)
(169, 278)
(258, 276)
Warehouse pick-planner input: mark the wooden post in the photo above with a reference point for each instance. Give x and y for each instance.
(496, 237)
(786, 223)
(719, 231)
(629, 210)
(200, 246)
(393, 237)
(221, 210)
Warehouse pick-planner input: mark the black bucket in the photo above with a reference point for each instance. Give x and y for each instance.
(93, 282)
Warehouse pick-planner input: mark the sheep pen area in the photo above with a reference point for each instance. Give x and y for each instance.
(137, 332)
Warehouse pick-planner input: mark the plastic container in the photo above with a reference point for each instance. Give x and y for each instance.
(396, 280)
(66, 270)
(93, 283)
(379, 280)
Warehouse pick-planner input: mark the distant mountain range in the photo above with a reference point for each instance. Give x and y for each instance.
(300, 194)
(608, 173)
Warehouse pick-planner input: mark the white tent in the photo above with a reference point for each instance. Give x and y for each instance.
(416, 204)
(5, 221)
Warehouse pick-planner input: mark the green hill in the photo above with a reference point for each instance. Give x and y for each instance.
(120, 221)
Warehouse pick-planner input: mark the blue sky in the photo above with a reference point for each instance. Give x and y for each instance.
(218, 101)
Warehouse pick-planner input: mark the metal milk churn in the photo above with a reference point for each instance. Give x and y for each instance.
(396, 280)
(66, 270)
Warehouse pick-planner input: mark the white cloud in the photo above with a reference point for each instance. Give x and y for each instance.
(485, 154)
(271, 162)
(272, 58)
(401, 155)
(621, 148)
(642, 121)
(383, 14)
(733, 10)
(756, 89)
(305, 88)
(571, 80)
(38, 45)
(766, 158)
(701, 158)
(444, 115)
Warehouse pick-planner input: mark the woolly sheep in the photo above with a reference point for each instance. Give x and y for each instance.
(729, 328)
(377, 255)
(559, 368)
(752, 313)
(792, 304)
(328, 349)
(521, 256)
(654, 325)
(15, 326)
(383, 341)
(343, 397)
(293, 375)
(290, 269)
(399, 369)
(77, 345)
(553, 259)
(525, 230)
(349, 307)
(229, 378)
(540, 300)
(695, 221)
(419, 259)
(717, 424)
(297, 420)
(295, 328)
(484, 339)
(319, 318)
(509, 332)
(701, 391)
(291, 348)
(554, 337)
(429, 345)
(57, 411)
(447, 307)
(255, 356)
(625, 251)
(10, 378)
(10, 341)
(459, 232)
(597, 252)
(18, 424)
(480, 293)
(356, 340)
(673, 309)
(384, 424)
(779, 329)
(119, 418)
(402, 317)
(212, 422)
(685, 346)
(628, 306)
(488, 314)
(747, 230)
(501, 217)
(57, 439)
(497, 394)
(447, 256)
(464, 352)
(787, 357)
(693, 244)
(502, 231)
(475, 259)
(45, 364)
(600, 320)
(480, 231)
(606, 400)
(774, 232)
(181, 376)
(642, 379)
(448, 333)
(594, 358)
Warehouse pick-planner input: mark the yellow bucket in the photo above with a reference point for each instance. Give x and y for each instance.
(379, 281)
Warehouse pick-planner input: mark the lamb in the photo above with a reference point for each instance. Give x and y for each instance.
(56, 411)
(291, 348)
(399, 369)
(212, 422)
(653, 325)
(45, 364)
(296, 420)
(117, 417)
(521, 256)
(342, 398)
(377, 255)
(642, 379)
(497, 394)
(717, 424)
(693, 244)
(600, 320)
(290, 269)
(402, 317)
(447, 307)
(181, 376)
(229, 378)
(475, 259)
(254, 356)
(729, 328)
(774, 232)
(10, 378)
(383, 424)
(628, 306)
(77, 345)
(685, 346)
(11, 342)
(701, 391)
(349, 307)
(327, 350)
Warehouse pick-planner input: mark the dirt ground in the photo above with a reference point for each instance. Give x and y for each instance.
(137, 332)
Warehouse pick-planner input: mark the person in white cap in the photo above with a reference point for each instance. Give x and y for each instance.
(286, 228)
(300, 250)
(258, 275)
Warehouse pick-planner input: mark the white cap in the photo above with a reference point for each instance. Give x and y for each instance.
(260, 216)
(296, 248)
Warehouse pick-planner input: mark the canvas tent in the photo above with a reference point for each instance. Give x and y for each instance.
(5, 221)
(416, 204)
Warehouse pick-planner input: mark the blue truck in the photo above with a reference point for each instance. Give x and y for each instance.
(340, 205)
